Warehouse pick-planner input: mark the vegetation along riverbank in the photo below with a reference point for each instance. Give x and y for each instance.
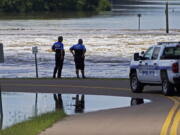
(28, 6)
(35, 125)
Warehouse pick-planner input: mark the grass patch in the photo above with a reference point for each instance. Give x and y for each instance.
(35, 125)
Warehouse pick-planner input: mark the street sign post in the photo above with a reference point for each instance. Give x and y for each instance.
(35, 51)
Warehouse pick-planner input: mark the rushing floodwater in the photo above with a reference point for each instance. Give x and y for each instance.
(110, 39)
(18, 107)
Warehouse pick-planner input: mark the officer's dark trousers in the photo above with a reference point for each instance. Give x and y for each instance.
(79, 62)
(58, 66)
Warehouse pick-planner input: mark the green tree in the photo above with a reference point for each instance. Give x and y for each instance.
(53, 5)
(104, 5)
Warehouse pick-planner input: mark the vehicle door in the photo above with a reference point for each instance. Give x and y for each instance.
(154, 71)
(144, 65)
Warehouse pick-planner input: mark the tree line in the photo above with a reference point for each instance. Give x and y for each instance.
(25, 6)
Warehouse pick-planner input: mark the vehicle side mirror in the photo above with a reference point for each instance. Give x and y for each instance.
(142, 53)
(136, 57)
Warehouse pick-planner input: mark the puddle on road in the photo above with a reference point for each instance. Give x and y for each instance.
(18, 107)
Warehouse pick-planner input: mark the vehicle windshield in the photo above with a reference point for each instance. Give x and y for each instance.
(171, 53)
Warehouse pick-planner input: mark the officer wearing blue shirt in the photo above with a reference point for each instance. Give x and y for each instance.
(78, 52)
(58, 48)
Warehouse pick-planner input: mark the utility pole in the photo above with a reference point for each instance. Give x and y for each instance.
(1, 107)
(167, 17)
(1, 53)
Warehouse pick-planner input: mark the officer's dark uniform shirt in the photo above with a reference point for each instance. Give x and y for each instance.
(79, 50)
(79, 58)
(57, 47)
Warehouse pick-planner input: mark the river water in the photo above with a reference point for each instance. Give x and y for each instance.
(110, 39)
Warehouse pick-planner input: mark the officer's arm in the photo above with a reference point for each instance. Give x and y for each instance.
(84, 51)
(72, 51)
(53, 48)
(62, 53)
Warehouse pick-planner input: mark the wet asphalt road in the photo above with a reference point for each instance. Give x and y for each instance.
(160, 117)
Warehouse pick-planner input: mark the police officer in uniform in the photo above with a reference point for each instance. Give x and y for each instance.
(78, 52)
(58, 48)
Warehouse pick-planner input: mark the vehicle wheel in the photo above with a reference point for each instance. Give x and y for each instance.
(167, 87)
(177, 89)
(136, 86)
(137, 101)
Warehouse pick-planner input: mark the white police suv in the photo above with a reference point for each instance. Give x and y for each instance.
(159, 65)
